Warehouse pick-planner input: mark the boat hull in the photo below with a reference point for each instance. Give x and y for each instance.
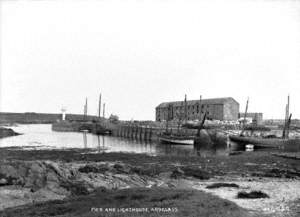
(264, 142)
(181, 141)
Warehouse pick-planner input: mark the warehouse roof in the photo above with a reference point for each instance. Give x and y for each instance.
(195, 102)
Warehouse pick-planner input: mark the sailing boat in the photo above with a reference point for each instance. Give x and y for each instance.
(176, 138)
(265, 142)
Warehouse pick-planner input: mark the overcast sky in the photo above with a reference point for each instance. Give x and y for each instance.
(55, 53)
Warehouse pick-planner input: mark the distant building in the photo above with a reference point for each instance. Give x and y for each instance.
(217, 109)
(254, 116)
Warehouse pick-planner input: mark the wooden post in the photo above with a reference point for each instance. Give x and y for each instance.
(146, 133)
(136, 132)
(141, 132)
(150, 134)
(127, 131)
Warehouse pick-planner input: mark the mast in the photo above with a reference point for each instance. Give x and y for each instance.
(85, 109)
(200, 114)
(185, 109)
(200, 107)
(185, 113)
(168, 115)
(103, 110)
(287, 121)
(288, 108)
(99, 109)
(244, 121)
(179, 115)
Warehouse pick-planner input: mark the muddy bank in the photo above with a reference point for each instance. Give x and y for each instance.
(247, 164)
(6, 132)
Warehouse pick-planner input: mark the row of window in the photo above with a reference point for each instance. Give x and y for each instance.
(193, 107)
(188, 113)
(189, 108)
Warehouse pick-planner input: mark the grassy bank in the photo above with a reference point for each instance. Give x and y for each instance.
(155, 202)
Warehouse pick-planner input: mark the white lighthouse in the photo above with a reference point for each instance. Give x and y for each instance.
(63, 114)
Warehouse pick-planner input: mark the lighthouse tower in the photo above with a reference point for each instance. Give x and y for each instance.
(63, 114)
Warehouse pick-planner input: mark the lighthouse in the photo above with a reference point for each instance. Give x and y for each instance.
(63, 114)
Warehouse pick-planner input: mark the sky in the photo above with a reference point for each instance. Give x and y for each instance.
(54, 53)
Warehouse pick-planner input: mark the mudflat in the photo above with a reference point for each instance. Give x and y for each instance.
(74, 181)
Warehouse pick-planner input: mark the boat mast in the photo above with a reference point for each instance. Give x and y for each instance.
(99, 109)
(245, 115)
(185, 109)
(180, 115)
(200, 114)
(200, 107)
(103, 110)
(85, 109)
(287, 121)
(185, 112)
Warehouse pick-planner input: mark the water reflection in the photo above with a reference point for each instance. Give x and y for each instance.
(42, 136)
(84, 139)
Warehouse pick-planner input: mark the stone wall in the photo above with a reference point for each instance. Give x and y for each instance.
(31, 117)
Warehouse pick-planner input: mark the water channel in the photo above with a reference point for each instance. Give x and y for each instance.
(40, 136)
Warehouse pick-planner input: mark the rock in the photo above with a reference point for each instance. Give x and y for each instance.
(92, 168)
(62, 170)
(196, 172)
(10, 174)
(75, 187)
(252, 195)
(6, 132)
(222, 185)
(3, 182)
(177, 173)
(122, 168)
(36, 177)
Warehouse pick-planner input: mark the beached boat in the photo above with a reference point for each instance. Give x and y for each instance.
(177, 139)
(264, 142)
(267, 142)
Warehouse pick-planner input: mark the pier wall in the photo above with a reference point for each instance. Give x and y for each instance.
(40, 118)
(143, 132)
(127, 130)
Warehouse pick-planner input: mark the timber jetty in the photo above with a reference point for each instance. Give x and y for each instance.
(125, 129)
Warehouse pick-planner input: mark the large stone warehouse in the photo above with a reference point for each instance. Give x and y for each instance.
(217, 109)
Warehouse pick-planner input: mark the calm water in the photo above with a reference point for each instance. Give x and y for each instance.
(41, 136)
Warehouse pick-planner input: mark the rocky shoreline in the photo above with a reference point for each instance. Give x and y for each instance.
(6, 132)
(28, 177)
